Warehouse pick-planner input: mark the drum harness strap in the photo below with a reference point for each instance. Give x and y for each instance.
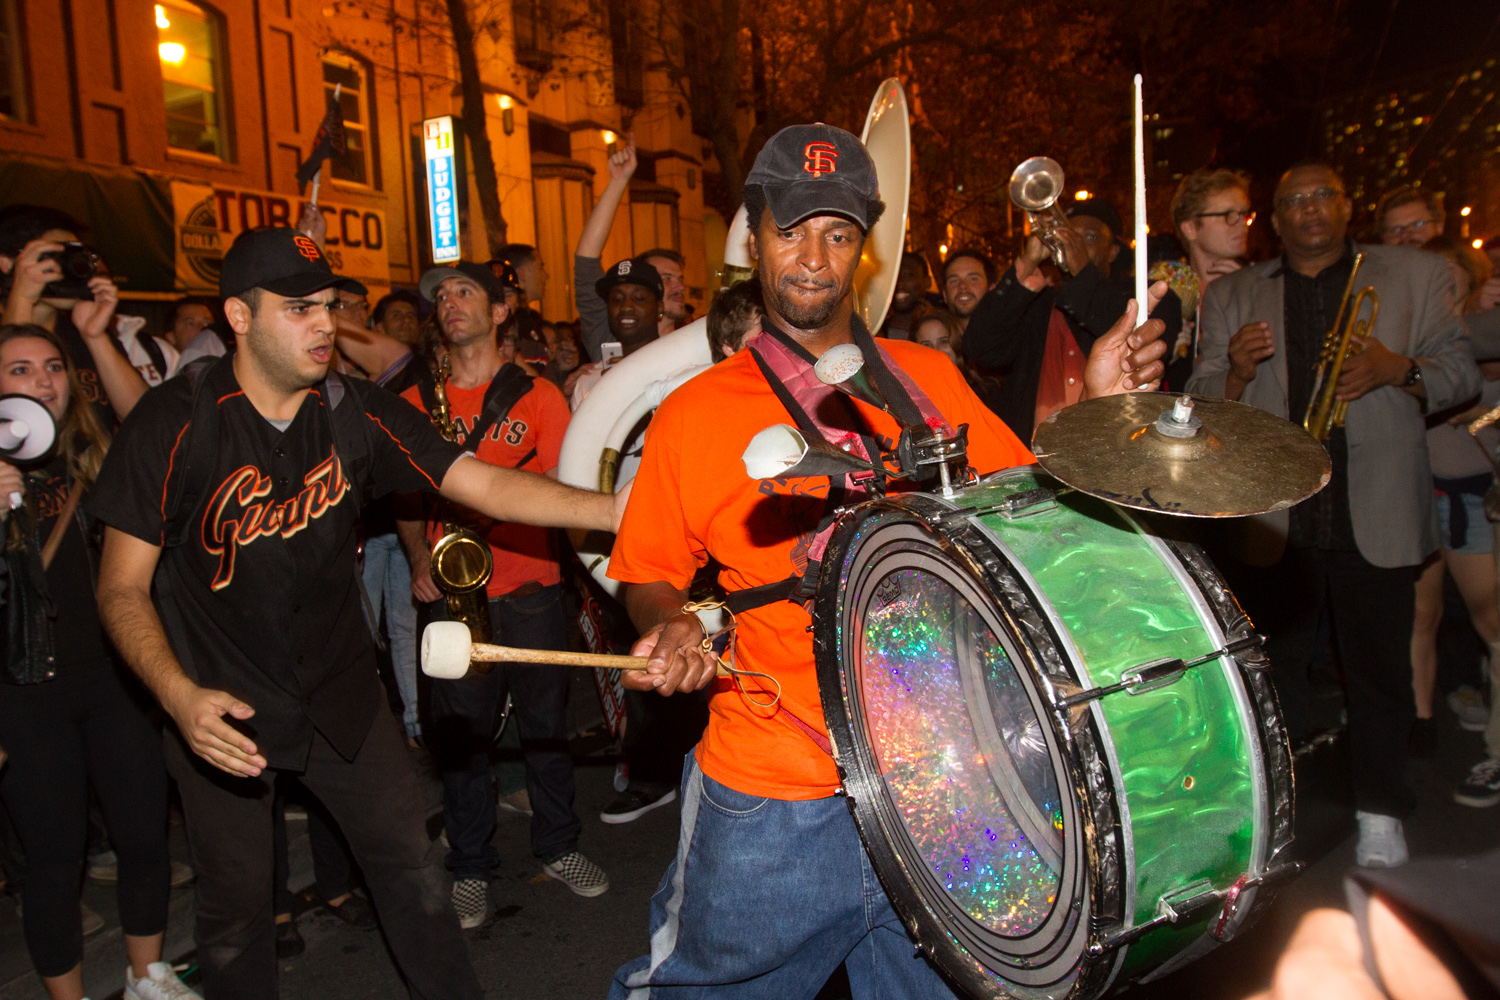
(788, 369)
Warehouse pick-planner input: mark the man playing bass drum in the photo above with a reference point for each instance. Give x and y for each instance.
(771, 888)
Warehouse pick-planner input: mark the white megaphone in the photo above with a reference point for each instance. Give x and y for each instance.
(27, 433)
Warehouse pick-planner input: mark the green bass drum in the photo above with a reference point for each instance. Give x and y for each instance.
(1057, 733)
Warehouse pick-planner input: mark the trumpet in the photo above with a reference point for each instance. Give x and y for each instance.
(461, 559)
(1036, 185)
(1325, 410)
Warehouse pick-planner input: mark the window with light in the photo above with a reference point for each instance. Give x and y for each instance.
(351, 78)
(13, 103)
(188, 40)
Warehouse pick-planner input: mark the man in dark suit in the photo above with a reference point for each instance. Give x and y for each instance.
(1038, 337)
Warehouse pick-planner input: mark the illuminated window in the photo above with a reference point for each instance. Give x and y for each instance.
(192, 71)
(352, 78)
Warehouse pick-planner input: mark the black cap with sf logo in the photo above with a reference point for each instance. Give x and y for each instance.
(808, 170)
(282, 261)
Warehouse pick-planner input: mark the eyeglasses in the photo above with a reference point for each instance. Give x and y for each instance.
(1299, 201)
(1410, 227)
(1232, 217)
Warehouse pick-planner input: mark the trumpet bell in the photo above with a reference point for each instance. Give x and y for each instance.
(1036, 184)
(887, 137)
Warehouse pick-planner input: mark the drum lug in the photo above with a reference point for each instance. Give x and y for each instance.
(1193, 901)
(1023, 504)
(1159, 673)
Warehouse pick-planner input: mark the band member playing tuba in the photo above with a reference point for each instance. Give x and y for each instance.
(507, 418)
(771, 888)
(1353, 548)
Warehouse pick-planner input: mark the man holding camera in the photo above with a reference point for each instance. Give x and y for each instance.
(51, 279)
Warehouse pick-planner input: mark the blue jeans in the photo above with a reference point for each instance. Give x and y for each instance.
(461, 732)
(388, 581)
(764, 900)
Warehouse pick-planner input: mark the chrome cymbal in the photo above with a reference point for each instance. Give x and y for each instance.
(1171, 453)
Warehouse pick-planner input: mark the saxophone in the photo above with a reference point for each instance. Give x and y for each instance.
(461, 559)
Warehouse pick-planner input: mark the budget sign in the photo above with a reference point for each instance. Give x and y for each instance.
(442, 193)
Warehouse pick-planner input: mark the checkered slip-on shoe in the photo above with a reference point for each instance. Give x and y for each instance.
(471, 898)
(579, 874)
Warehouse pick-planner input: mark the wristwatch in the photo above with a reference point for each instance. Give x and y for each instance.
(1413, 374)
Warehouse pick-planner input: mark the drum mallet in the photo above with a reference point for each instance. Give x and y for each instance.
(448, 650)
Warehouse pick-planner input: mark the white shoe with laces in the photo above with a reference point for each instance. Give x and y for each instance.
(1382, 844)
(159, 983)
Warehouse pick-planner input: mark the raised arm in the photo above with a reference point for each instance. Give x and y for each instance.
(125, 608)
(596, 231)
(525, 497)
(122, 384)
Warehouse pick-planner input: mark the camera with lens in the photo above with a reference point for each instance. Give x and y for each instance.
(79, 263)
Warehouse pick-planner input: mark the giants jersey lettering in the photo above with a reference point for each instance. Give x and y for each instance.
(233, 518)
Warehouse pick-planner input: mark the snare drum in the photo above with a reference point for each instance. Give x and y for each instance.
(1056, 730)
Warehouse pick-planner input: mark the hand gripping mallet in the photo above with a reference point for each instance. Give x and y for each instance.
(448, 650)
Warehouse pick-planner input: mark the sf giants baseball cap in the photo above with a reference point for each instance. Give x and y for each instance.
(282, 261)
(808, 170)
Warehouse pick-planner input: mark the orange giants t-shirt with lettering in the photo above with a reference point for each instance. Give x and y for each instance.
(529, 438)
(693, 500)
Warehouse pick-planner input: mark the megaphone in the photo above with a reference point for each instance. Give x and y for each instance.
(781, 451)
(27, 433)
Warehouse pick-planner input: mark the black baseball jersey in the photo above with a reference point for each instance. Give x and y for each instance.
(261, 599)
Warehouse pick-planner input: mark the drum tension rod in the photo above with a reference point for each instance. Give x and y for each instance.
(1023, 504)
(1159, 673)
(1192, 902)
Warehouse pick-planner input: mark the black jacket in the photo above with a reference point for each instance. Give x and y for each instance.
(1008, 332)
(30, 644)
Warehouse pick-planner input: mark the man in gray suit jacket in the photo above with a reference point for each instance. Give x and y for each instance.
(1355, 547)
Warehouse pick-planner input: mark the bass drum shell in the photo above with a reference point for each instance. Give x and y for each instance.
(583, 444)
(955, 753)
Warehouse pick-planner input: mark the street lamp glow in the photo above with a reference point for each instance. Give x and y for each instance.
(1083, 194)
(1465, 211)
(609, 137)
(172, 52)
(505, 102)
(943, 250)
(1478, 244)
(161, 17)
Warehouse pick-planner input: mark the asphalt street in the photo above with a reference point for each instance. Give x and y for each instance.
(544, 943)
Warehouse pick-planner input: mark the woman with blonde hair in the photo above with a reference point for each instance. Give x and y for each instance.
(72, 716)
(1461, 473)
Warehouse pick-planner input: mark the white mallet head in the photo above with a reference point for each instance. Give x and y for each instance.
(446, 650)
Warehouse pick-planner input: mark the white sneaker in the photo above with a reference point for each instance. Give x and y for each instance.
(159, 983)
(1381, 841)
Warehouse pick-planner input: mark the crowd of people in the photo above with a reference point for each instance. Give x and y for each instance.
(239, 519)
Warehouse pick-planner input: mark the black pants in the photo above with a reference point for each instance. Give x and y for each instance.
(332, 869)
(1371, 610)
(86, 727)
(461, 732)
(377, 803)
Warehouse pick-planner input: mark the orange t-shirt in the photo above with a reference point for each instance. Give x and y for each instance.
(693, 500)
(533, 431)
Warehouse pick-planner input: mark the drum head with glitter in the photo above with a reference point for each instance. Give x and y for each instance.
(962, 751)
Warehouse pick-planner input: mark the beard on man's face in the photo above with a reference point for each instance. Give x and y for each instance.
(806, 312)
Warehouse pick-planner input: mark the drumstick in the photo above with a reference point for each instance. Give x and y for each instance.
(483, 652)
(1485, 421)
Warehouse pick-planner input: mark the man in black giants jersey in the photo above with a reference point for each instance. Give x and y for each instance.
(234, 491)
